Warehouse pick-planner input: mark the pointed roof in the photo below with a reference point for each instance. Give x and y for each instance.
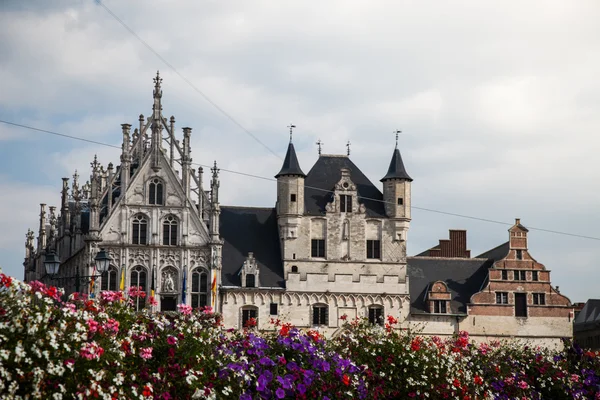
(290, 166)
(396, 169)
(320, 184)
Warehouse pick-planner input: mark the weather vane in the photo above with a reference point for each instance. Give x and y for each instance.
(319, 144)
(348, 146)
(291, 126)
(397, 132)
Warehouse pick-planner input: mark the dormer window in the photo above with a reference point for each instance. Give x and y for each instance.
(155, 192)
(250, 271)
(439, 298)
(345, 203)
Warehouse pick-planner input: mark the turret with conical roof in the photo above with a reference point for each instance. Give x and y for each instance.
(290, 193)
(397, 194)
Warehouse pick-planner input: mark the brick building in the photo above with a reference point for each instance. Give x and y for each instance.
(333, 245)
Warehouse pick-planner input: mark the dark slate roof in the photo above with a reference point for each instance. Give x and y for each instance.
(290, 166)
(497, 253)
(426, 252)
(248, 229)
(464, 277)
(396, 169)
(323, 176)
(589, 316)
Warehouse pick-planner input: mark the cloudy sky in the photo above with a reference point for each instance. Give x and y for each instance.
(499, 104)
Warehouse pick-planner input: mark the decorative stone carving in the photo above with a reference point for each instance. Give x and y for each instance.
(139, 256)
(168, 281)
(199, 258)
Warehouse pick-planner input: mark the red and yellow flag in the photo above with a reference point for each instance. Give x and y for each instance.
(213, 289)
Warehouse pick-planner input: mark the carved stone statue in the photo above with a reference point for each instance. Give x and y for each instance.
(168, 282)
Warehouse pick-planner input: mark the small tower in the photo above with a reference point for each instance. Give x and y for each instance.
(290, 193)
(396, 194)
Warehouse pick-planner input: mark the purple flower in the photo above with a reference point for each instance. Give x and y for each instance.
(280, 393)
(267, 362)
(301, 388)
(245, 396)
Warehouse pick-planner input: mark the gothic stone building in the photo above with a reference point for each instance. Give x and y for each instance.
(334, 245)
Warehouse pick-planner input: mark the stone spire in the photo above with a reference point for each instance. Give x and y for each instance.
(157, 125)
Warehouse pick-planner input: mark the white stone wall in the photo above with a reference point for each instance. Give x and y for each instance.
(296, 307)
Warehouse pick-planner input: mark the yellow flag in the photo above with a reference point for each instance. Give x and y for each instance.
(122, 284)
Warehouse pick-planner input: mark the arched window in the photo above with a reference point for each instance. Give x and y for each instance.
(250, 280)
(199, 288)
(155, 192)
(376, 314)
(170, 231)
(249, 316)
(109, 279)
(139, 231)
(139, 278)
(320, 314)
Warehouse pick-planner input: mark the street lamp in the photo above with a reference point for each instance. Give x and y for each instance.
(102, 261)
(52, 263)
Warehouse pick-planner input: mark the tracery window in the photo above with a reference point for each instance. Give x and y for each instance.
(139, 278)
(139, 232)
(109, 279)
(155, 192)
(199, 288)
(170, 225)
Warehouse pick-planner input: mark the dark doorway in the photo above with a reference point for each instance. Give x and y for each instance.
(168, 304)
(520, 305)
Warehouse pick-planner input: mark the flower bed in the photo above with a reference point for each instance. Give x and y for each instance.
(100, 348)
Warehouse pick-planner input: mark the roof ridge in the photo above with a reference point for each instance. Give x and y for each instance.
(253, 207)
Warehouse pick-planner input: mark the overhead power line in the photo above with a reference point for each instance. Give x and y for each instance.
(186, 80)
(312, 187)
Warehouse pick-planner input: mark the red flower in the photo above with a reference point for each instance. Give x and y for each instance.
(391, 320)
(478, 380)
(6, 280)
(416, 344)
(344, 317)
(147, 391)
(456, 383)
(346, 380)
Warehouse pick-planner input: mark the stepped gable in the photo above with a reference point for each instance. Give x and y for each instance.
(250, 229)
(321, 179)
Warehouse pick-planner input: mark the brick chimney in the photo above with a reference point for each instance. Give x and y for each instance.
(456, 246)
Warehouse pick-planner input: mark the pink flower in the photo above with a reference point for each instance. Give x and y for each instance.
(523, 385)
(172, 340)
(152, 301)
(92, 326)
(146, 353)
(574, 378)
(112, 326)
(111, 297)
(136, 291)
(184, 309)
(207, 310)
(91, 351)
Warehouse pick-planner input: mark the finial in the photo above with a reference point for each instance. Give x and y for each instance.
(348, 146)
(319, 144)
(397, 132)
(157, 82)
(291, 126)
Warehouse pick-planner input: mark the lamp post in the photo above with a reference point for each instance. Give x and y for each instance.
(52, 265)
